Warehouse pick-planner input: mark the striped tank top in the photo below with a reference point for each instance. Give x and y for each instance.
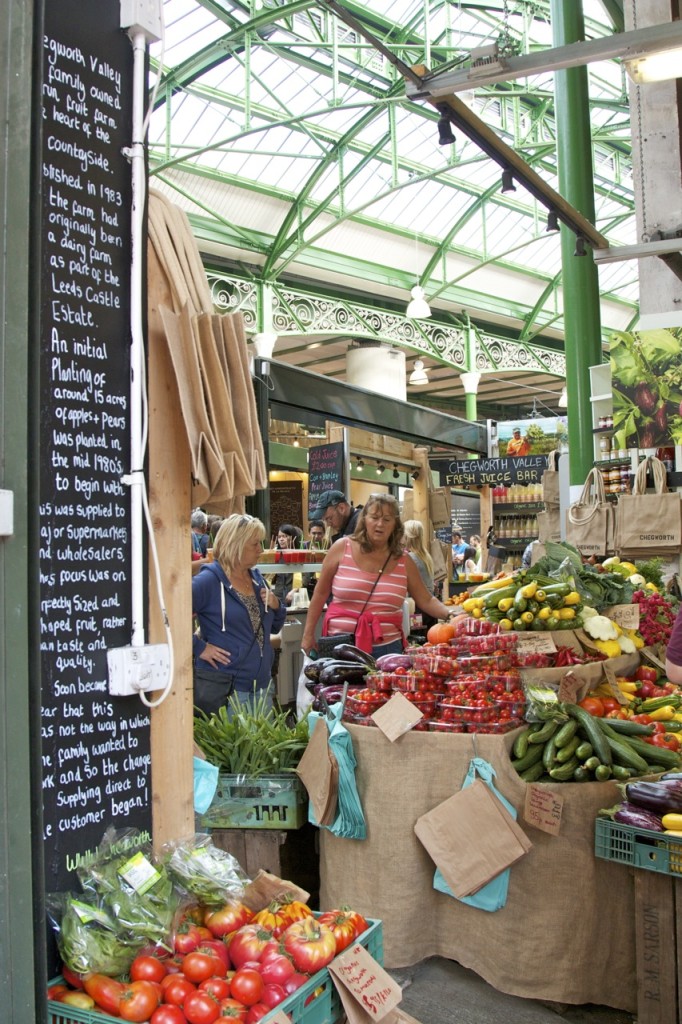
(350, 588)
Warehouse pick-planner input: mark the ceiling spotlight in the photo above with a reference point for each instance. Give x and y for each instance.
(580, 249)
(359, 464)
(396, 474)
(418, 308)
(380, 469)
(445, 135)
(552, 221)
(415, 474)
(419, 374)
(508, 181)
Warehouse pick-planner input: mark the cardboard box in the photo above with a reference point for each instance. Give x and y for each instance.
(269, 801)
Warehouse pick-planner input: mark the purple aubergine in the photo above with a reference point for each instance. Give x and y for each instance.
(645, 398)
(637, 817)
(661, 419)
(647, 435)
(659, 797)
(390, 662)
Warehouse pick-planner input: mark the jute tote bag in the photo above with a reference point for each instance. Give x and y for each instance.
(649, 524)
(590, 520)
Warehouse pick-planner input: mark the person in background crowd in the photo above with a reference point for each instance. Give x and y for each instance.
(288, 538)
(458, 548)
(199, 525)
(316, 531)
(475, 543)
(236, 614)
(336, 513)
(417, 550)
(214, 524)
(518, 445)
(368, 576)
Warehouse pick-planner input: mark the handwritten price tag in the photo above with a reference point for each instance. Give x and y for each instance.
(626, 615)
(543, 809)
(280, 1017)
(536, 643)
(569, 687)
(610, 677)
(374, 992)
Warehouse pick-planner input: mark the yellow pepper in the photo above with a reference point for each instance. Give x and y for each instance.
(572, 598)
(627, 685)
(664, 714)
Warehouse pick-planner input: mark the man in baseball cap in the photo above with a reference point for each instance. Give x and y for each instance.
(336, 513)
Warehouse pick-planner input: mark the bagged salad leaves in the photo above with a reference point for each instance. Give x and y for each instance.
(88, 939)
(124, 880)
(200, 869)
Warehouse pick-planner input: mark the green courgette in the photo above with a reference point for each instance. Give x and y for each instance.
(520, 745)
(626, 726)
(591, 731)
(549, 753)
(566, 733)
(564, 772)
(533, 755)
(566, 753)
(654, 755)
(542, 735)
(533, 773)
(492, 599)
(584, 750)
(623, 752)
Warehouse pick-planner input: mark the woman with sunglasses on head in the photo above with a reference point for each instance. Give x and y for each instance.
(236, 614)
(368, 576)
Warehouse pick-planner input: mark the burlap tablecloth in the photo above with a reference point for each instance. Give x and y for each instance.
(566, 933)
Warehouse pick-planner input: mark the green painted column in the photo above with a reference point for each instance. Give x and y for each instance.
(580, 281)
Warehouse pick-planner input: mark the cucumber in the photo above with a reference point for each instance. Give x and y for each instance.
(592, 763)
(655, 755)
(566, 733)
(626, 727)
(620, 772)
(549, 753)
(581, 774)
(592, 732)
(542, 735)
(584, 750)
(624, 754)
(533, 773)
(533, 755)
(566, 753)
(564, 772)
(603, 772)
(520, 745)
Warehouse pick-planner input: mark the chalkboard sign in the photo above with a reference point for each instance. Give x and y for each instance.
(326, 469)
(95, 749)
(286, 503)
(493, 472)
(466, 514)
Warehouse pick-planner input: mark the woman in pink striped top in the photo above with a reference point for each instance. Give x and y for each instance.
(368, 577)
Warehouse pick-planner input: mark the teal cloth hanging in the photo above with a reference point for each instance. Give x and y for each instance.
(349, 822)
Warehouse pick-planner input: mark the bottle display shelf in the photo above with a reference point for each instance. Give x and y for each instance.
(518, 506)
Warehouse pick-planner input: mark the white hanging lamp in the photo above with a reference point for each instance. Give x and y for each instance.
(418, 308)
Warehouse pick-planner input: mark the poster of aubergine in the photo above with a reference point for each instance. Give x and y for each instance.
(646, 377)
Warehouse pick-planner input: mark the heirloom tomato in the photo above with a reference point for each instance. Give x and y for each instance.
(228, 918)
(139, 999)
(248, 943)
(232, 1009)
(105, 991)
(201, 964)
(168, 1014)
(342, 926)
(310, 945)
(147, 968)
(276, 969)
(201, 1008)
(247, 986)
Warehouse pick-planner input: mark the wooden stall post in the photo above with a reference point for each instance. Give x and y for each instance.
(657, 959)
(170, 505)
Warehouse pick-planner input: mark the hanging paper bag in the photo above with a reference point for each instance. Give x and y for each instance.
(439, 507)
(550, 479)
(649, 525)
(590, 520)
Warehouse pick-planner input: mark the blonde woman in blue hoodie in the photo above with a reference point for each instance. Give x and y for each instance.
(236, 614)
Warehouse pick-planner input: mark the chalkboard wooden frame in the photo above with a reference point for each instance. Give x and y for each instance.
(327, 470)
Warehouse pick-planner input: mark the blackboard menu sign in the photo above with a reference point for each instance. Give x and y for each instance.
(286, 504)
(95, 749)
(493, 472)
(327, 471)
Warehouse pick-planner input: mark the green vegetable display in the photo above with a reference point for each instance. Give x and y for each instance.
(251, 740)
(89, 940)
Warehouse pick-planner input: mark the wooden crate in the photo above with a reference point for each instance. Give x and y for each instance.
(293, 854)
(658, 940)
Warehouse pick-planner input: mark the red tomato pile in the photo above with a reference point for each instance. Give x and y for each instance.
(227, 963)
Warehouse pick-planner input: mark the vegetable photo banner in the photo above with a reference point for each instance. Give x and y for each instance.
(646, 373)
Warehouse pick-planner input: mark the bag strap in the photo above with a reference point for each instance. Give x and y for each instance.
(374, 585)
(658, 475)
(553, 459)
(584, 510)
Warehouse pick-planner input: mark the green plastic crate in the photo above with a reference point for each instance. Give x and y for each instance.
(324, 1008)
(638, 847)
(268, 801)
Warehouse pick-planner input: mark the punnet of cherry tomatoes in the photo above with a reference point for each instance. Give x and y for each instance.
(225, 962)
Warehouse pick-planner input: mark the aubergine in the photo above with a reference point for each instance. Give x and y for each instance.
(349, 652)
(659, 797)
(638, 817)
(343, 672)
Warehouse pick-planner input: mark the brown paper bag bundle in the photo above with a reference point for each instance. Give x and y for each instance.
(318, 770)
(649, 524)
(550, 481)
(471, 837)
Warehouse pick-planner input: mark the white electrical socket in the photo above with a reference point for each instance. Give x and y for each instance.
(132, 669)
(144, 16)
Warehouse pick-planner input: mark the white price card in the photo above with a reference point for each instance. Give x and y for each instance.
(536, 643)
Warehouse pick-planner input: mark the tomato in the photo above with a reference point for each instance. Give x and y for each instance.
(642, 719)
(80, 999)
(610, 704)
(257, 1013)
(233, 1010)
(139, 999)
(273, 918)
(276, 969)
(310, 944)
(177, 990)
(220, 950)
(228, 918)
(168, 1014)
(666, 739)
(294, 982)
(57, 991)
(188, 937)
(219, 988)
(248, 943)
(593, 706)
(201, 964)
(147, 968)
(295, 910)
(71, 978)
(201, 1008)
(247, 986)
(273, 995)
(646, 674)
(105, 991)
(342, 926)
